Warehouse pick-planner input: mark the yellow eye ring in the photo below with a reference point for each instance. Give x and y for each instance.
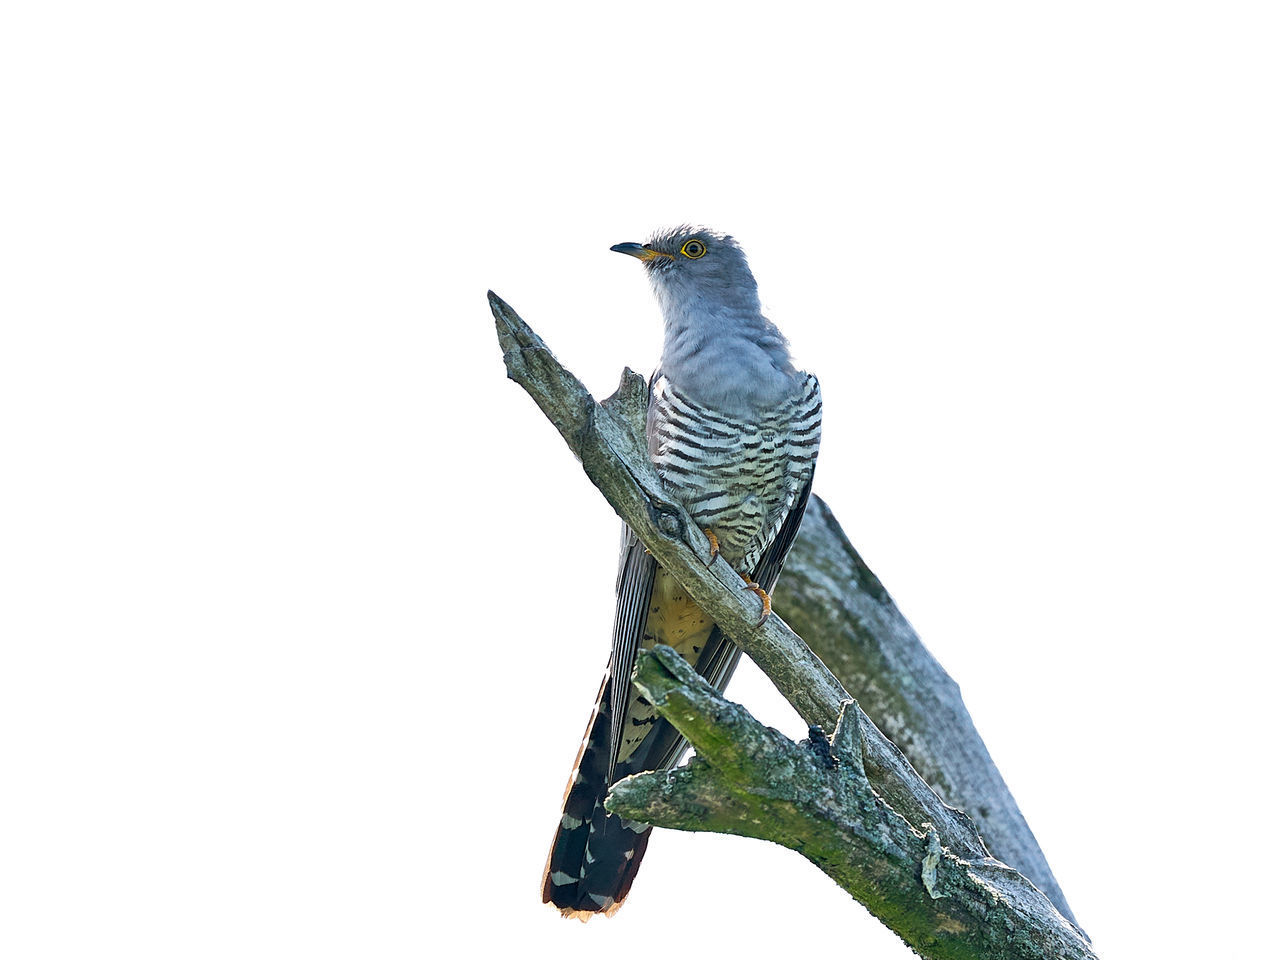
(693, 249)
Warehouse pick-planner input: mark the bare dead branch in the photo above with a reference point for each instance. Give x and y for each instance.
(606, 439)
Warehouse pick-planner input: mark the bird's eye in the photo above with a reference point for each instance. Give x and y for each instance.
(693, 249)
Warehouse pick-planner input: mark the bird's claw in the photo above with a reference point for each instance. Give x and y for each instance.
(714, 541)
(765, 602)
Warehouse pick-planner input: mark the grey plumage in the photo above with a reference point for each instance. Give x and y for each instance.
(733, 430)
(718, 348)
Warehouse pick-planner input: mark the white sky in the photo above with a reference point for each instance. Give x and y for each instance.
(304, 605)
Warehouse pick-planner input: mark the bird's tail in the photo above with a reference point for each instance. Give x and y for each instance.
(595, 854)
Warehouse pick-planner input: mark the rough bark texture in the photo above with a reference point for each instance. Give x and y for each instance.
(835, 602)
(606, 440)
(750, 780)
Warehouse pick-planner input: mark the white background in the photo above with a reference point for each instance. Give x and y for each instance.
(304, 604)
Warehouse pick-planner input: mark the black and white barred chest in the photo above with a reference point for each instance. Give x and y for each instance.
(738, 476)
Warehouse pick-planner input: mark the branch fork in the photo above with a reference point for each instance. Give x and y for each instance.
(869, 821)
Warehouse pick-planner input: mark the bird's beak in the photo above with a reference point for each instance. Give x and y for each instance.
(639, 251)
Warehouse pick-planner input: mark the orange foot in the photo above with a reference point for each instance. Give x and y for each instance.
(765, 602)
(715, 545)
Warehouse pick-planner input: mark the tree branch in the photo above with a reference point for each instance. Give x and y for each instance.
(606, 439)
(750, 780)
(849, 620)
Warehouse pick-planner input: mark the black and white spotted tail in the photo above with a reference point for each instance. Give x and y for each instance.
(594, 855)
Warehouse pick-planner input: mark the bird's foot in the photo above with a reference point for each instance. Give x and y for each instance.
(715, 545)
(765, 602)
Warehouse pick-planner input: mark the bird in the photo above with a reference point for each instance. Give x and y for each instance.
(732, 428)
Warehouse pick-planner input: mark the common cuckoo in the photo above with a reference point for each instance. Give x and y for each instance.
(733, 431)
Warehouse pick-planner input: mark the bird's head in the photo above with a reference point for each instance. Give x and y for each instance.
(696, 265)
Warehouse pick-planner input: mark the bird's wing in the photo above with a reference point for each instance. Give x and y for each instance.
(770, 565)
(662, 745)
(636, 569)
(720, 656)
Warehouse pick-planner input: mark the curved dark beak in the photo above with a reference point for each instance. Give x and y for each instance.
(637, 250)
